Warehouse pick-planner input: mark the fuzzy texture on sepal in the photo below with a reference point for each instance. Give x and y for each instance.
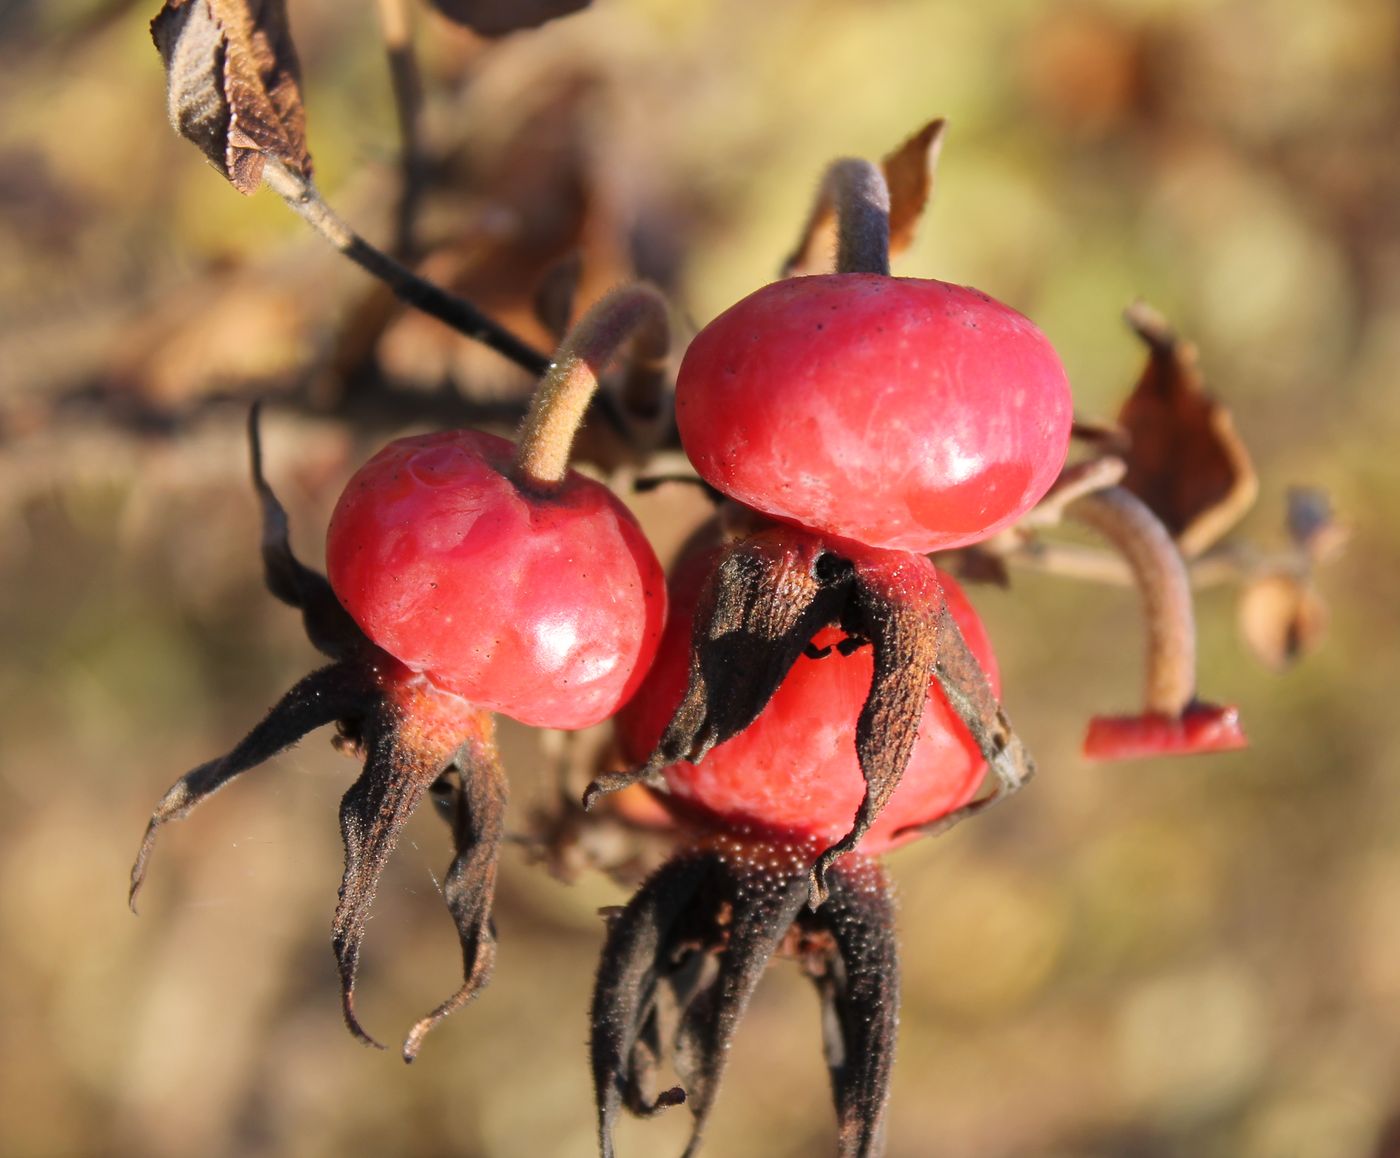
(683, 959)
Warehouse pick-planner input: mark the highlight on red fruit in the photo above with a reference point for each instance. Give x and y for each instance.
(793, 772)
(544, 607)
(899, 412)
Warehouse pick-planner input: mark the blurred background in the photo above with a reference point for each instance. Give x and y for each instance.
(1181, 957)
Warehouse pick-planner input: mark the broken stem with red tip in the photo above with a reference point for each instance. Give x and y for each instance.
(1160, 575)
(1172, 720)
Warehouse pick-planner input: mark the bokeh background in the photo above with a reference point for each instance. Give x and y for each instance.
(1196, 957)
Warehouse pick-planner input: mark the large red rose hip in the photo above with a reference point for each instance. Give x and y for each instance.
(898, 412)
(794, 771)
(546, 608)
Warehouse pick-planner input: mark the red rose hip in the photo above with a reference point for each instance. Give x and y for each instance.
(546, 608)
(898, 412)
(794, 770)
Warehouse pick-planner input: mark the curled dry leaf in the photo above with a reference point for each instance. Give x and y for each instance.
(1185, 460)
(498, 17)
(1281, 618)
(909, 171)
(232, 84)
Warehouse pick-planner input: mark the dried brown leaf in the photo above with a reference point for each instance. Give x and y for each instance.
(1282, 619)
(908, 171)
(232, 84)
(499, 17)
(1185, 460)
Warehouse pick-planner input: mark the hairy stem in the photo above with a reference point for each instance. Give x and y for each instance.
(547, 435)
(1161, 577)
(433, 300)
(857, 194)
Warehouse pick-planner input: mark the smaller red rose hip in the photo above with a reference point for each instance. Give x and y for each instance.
(468, 576)
(898, 412)
(546, 607)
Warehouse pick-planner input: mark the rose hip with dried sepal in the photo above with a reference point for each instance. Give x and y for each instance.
(794, 771)
(759, 809)
(467, 576)
(849, 396)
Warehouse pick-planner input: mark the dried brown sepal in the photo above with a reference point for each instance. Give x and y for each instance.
(499, 17)
(768, 596)
(645, 946)
(682, 961)
(233, 87)
(337, 692)
(1185, 460)
(1281, 618)
(896, 604)
(474, 804)
(409, 743)
(908, 174)
(410, 737)
(848, 950)
(328, 625)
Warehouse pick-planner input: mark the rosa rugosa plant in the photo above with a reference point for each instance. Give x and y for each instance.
(467, 576)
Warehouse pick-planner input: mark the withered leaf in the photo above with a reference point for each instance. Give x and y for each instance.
(232, 84)
(908, 171)
(1281, 619)
(498, 17)
(1185, 460)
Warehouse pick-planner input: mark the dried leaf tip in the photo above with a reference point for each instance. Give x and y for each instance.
(1184, 457)
(232, 83)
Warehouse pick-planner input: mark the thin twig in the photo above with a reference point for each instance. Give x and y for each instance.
(404, 78)
(433, 300)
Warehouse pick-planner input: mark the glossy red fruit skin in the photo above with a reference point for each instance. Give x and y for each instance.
(546, 609)
(793, 772)
(901, 413)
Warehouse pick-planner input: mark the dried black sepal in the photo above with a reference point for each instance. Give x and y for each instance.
(411, 738)
(328, 625)
(683, 959)
(768, 595)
